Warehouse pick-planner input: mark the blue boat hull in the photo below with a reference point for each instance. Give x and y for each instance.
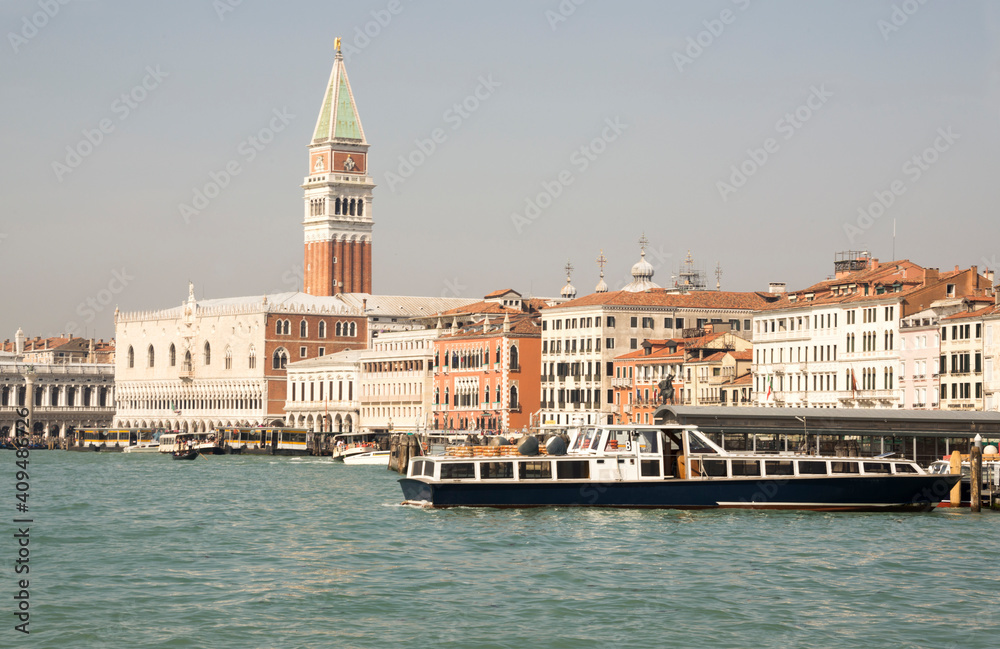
(855, 493)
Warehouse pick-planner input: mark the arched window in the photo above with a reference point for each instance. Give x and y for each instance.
(437, 395)
(513, 357)
(252, 363)
(277, 328)
(446, 392)
(352, 207)
(486, 393)
(187, 361)
(339, 329)
(303, 328)
(354, 329)
(437, 359)
(280, 359)
(229, 358)
(288, 327)
(361, 207)
(173, 355)
(513, 397)
(150, 357)
(131, 357)
(497, 359)
(498, 394)
(208, 353)
(322, 328)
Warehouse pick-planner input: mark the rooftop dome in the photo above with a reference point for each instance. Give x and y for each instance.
(642, 276)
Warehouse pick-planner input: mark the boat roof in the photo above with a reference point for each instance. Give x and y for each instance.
(833, 421)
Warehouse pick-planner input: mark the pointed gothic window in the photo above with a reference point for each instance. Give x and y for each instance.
(208, 353)
(173, 355)
(150, 357)
(498, 394)
(279, 360)
(354, 329)
(131, 357)
(513, 357)
(322, 328)
(303, 328)
(513, 397)
(187, 362)
(277, 328)
(229, 358)
(339, 329)
(252, 362)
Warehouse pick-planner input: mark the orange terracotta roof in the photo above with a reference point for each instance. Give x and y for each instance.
(664, 298)
(745, 379)
(743, 356)
(503, 291)
(977, 313)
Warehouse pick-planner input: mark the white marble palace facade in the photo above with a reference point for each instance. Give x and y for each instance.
(222, 362)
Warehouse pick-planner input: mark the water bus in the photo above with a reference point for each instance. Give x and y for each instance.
(114, 440)
(266, 441)
(345, 445)
(204, 443)
(669, 466)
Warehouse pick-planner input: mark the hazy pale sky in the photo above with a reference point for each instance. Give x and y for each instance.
(506, 139)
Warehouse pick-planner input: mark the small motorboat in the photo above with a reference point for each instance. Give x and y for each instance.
(188, 454)
(379, 458)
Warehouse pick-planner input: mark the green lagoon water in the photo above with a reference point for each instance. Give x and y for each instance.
(245, 552)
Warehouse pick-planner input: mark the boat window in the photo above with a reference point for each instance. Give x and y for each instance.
(586, 439)
(746, 467)
(649, 468)
(573, 469)
(647, 440)
(418, 467)
(905, 468)
(616, 440)
(453, 471)
(698, 445)
(496, 470)
(779, 467)
(812, 467)
(844, 467)
(428, 469)
(536, 470)
(715, 468)
(876, 467)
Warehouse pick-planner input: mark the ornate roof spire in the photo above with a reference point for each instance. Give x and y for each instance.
(602, 287)
(568, 291)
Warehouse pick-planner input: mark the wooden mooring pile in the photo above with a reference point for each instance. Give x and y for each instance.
(403, 447)
(977, 497)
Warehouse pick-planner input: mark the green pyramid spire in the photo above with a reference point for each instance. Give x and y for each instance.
(338, 118)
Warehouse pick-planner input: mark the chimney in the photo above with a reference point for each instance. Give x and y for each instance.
(776, 287)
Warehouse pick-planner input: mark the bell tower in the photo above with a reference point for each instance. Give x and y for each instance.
(338, 196)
